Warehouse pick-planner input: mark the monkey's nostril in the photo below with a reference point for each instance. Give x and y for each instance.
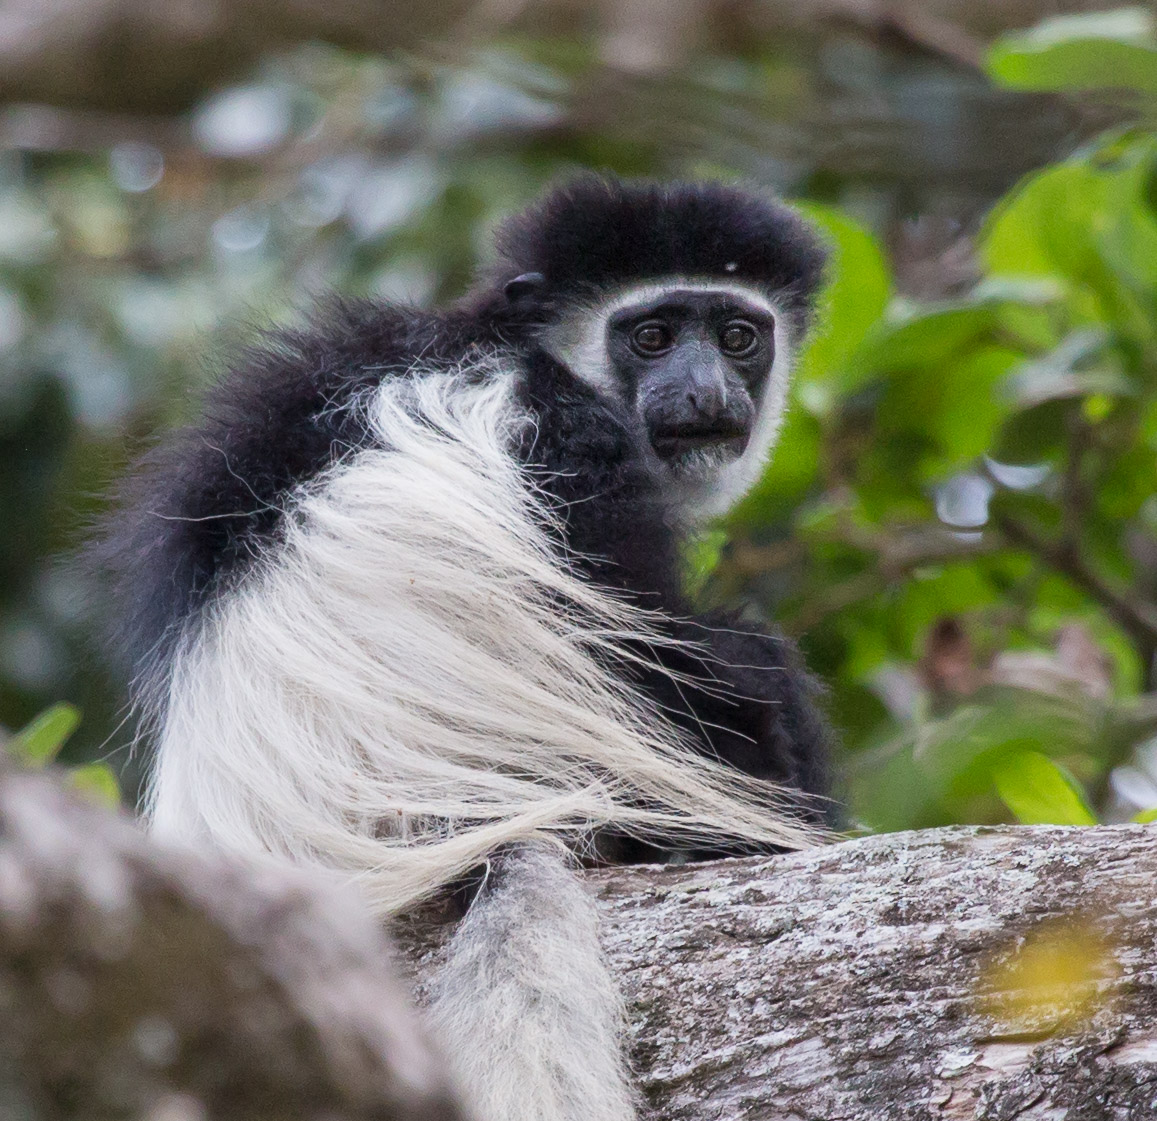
(705, 403)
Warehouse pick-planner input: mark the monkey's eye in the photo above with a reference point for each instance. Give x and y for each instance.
(651, 338)
(738, 339)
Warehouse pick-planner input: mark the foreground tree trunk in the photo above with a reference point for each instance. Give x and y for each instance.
(139, 982)
(961, 973)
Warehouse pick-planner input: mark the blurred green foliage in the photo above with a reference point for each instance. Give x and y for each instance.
(40, 742)
(960, 522)
(1113, 49)
(991, 461)
(961, 519)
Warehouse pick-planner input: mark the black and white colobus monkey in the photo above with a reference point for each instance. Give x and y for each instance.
(406, 603)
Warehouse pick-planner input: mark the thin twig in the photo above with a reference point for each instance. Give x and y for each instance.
(1138, 618)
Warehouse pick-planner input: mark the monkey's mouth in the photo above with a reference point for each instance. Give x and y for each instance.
(673, 441)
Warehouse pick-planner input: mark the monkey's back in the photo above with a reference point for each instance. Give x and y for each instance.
(211, 500)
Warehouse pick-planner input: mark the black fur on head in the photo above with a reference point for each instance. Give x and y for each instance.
(595, 233)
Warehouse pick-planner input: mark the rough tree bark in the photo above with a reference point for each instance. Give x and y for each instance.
(956, 973)
(961, 973)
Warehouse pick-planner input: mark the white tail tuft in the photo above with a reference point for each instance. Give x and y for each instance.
(525, 1007)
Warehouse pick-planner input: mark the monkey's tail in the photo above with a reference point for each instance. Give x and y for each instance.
(525, 1006)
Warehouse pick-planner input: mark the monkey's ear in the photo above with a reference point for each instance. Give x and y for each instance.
(528, 284)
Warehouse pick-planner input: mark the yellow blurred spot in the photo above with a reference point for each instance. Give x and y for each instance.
(1055, 979)
(99, 227)
(1096, 407)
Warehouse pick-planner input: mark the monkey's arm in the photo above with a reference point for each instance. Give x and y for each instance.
(772, 723)
(741, 696)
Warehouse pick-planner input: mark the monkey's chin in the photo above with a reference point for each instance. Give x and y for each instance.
(701, 464)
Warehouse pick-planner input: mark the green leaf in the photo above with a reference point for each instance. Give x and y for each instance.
(929, 338)
(700, 559)
(39, 742)
(940, 771)
(854, 298)
(1087, 223)
(1040, 792)
(1144, 817)
(1103, 50)
(1030, 232)
(1126, 231)
(1034, 434)
(924, 337)
(96, 782)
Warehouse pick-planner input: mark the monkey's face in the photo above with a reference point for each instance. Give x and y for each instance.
(696, 367)
(694, 363)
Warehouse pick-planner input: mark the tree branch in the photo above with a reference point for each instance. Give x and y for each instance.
(953, 973)
(956, 973)
(1138, 618)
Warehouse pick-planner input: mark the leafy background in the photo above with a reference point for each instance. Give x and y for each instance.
(960, 523)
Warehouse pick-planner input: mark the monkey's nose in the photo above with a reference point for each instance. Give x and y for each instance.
(707, 400)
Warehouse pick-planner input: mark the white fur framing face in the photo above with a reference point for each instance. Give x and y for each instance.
(579, 342)
(397, 690)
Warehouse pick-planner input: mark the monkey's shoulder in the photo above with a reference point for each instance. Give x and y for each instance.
(284, 410)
